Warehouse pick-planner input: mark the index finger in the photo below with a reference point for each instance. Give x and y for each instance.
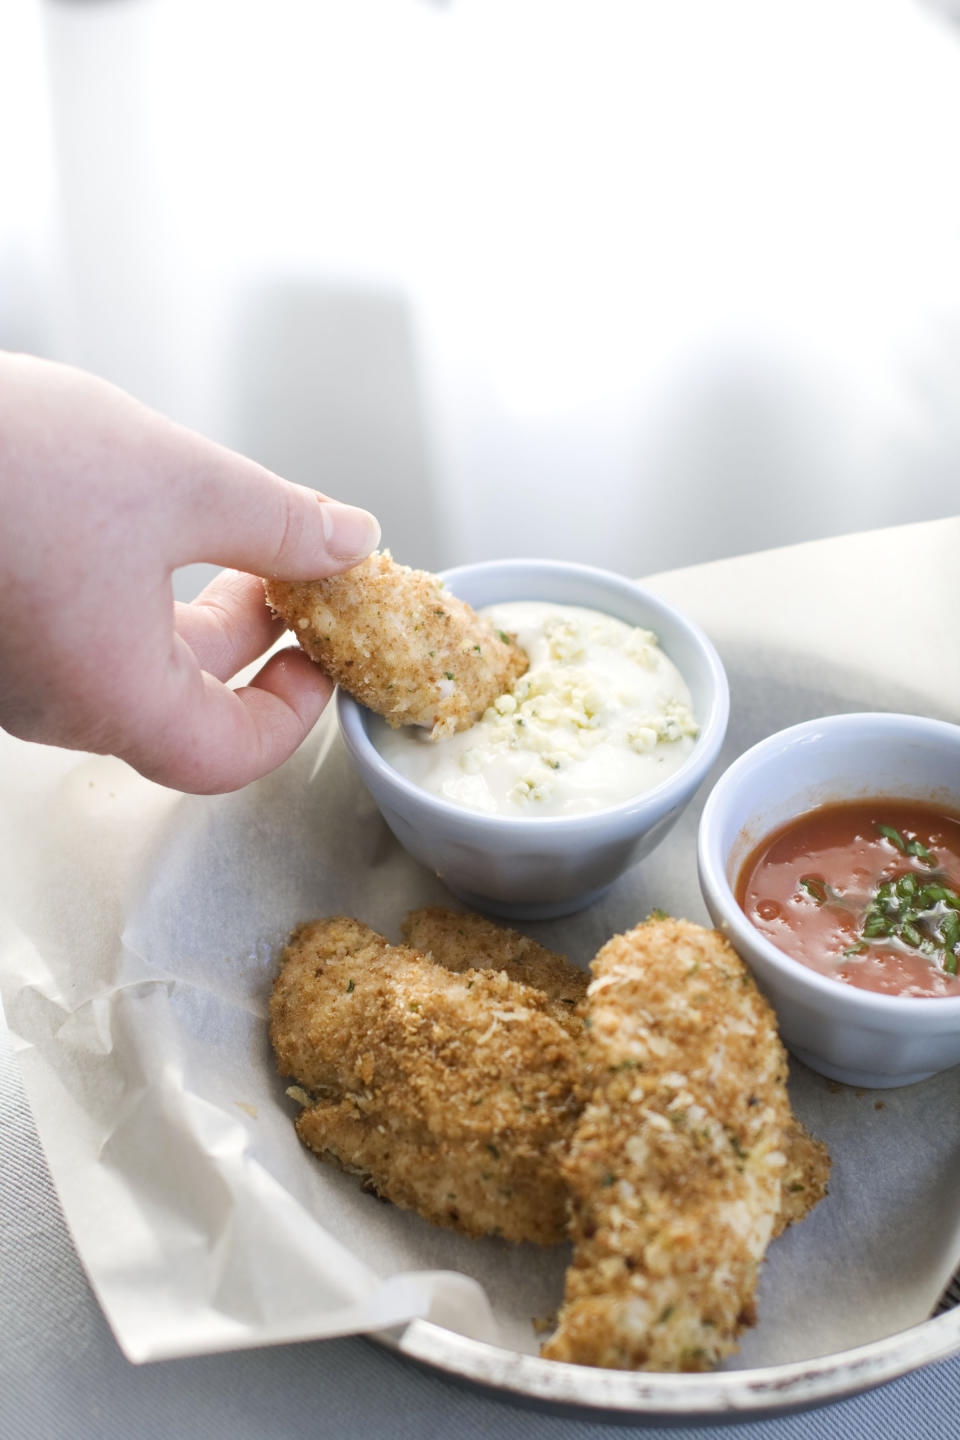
(229, 623)
(213, 739)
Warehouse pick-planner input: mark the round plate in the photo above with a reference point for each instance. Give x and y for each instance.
(632, 1397)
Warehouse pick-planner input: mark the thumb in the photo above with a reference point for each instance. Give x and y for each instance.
(229, 511)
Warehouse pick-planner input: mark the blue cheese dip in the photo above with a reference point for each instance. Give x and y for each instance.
(600, 716)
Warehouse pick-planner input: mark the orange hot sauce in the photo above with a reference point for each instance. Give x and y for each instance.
(867, 892)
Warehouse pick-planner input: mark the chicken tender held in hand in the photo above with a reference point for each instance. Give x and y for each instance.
(466, 941)
(400, 643)
(454, 1095)
(677, 1164)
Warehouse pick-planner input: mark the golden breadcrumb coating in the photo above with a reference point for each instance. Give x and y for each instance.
(805, 1175)
(451, 1094)
(676, 1165)
(400, 643)
(466, 941)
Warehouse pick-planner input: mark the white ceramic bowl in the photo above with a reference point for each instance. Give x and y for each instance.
(841, 1031)
(533, 868)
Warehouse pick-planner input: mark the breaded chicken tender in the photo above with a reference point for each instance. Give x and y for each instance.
(676, 1168)
(804, 1178)
(454, 1095)
(400, 643)
(466, 941)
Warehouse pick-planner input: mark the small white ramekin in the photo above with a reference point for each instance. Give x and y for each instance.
(535, 868)
(839, 1030)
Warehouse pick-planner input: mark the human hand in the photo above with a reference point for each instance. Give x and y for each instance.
(100, 500)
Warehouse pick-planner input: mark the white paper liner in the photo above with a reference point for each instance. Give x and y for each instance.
(140, 939)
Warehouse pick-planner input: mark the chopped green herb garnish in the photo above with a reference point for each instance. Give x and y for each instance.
(908, 847)
(907, 910)
(349, 986)
(925, 856)
(931, 894)
(949, 931)
(448, 674)
(819, 890)
(504, 636)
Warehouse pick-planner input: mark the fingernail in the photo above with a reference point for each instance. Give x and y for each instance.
(350, 533)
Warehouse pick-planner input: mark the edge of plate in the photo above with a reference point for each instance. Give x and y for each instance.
(626, 1396)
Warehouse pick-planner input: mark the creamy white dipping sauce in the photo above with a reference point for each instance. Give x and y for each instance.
(601, 715)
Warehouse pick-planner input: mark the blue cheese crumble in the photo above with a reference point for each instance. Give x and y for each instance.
(601, 715)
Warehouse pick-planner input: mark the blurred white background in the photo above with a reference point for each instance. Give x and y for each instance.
(636, 282)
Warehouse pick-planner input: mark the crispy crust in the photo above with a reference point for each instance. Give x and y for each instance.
(804, 1178)
(455, 1089)
(465, 941)
(400, 643)
(676, 1165)
(451, 1094)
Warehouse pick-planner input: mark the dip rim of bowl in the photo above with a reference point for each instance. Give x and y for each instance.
(675, 790)
(744, 936)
